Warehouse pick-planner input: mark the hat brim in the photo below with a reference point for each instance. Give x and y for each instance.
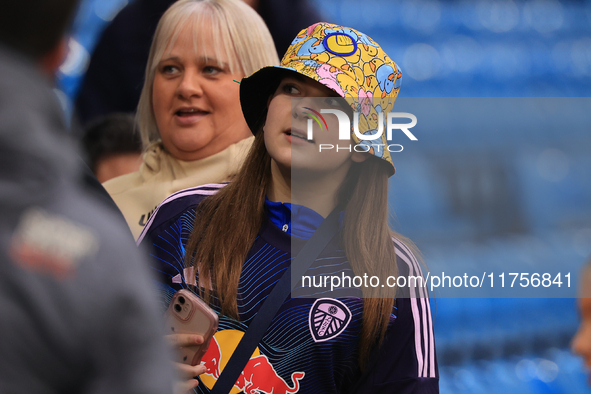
(255, 91)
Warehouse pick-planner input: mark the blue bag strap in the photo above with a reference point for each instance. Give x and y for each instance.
(316, 244)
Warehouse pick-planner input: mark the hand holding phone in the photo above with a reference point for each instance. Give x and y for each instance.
(188, 314)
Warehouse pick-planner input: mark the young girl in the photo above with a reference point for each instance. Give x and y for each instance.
(232, 243)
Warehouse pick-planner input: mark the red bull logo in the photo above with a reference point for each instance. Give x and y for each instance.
(258, 376)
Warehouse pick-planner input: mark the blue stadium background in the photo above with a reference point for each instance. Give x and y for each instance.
(514, 200)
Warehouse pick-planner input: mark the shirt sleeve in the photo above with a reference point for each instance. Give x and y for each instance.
(406, 362)
(166, 245)
(166, 234)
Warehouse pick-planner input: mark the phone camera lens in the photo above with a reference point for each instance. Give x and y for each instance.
(177, 307)
(182, 300)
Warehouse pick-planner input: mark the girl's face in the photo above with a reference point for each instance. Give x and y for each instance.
(195, 101)
(582, 341)
(285, 130)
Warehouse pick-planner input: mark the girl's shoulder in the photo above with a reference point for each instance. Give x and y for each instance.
(412, 283)
(406, 256)
(178, 203)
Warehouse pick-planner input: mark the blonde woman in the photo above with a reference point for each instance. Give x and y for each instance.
(189, 115)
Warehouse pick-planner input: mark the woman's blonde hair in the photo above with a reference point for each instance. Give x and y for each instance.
(237, 32)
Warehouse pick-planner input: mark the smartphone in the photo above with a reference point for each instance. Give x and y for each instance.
(189, 314)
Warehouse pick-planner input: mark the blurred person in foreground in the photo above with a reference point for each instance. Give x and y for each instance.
(189, 113)
(77, 312)
(112, 147)
(582, 341)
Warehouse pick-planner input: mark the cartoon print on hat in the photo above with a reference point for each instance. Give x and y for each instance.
(342, 59)
(328, 318)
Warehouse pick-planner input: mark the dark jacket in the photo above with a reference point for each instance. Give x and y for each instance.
(77, 311)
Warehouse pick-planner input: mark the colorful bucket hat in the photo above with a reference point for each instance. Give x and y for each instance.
(342, 59)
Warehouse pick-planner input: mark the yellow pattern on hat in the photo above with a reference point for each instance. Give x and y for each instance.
(344, 60)
(354, 66)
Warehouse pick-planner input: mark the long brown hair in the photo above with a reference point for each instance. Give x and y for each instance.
(227, 223)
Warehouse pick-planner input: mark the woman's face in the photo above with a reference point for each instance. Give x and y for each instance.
(195, 101)
(286, 128)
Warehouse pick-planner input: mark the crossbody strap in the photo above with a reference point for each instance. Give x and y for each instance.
(298, 267)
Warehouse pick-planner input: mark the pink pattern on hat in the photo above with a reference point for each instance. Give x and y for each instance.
(328, 77)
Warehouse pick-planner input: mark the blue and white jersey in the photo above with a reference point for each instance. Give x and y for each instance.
(311, 346)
